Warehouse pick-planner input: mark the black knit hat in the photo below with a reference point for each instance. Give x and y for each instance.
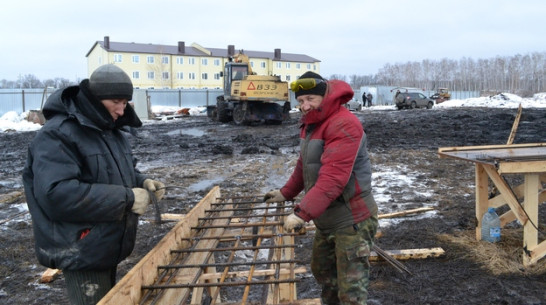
(110, 82)
(319, 89)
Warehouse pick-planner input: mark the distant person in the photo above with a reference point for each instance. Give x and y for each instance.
(83, 190)
(369, 97)
(364, 98)
(334, 170)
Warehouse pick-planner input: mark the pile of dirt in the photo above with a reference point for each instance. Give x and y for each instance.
(192, 154)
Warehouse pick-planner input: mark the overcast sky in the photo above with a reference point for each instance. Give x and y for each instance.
(51, 38)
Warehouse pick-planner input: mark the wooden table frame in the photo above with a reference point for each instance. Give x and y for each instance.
(492, 163)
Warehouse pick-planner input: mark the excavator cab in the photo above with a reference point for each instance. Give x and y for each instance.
(233, 72)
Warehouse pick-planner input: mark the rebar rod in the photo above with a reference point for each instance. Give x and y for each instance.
(230, 264)
(238, 225)
(224, 284)
(233, 248)
(245, 209)
(244, 216)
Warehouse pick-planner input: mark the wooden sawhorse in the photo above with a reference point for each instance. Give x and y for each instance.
(492, 163)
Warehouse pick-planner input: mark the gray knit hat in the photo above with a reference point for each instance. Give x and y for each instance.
(110, 82)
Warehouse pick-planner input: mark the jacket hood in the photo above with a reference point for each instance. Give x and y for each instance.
(337, 94)
(78, 102)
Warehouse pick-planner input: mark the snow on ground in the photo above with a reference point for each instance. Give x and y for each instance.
(12, 121)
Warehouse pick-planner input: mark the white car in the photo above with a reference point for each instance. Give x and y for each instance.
(354, 105)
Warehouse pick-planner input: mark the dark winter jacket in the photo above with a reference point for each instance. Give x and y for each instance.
(334, 167)
(78, 179)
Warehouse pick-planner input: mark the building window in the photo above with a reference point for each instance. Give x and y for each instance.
(279, 65)
(262, 64)
(298, 66)
(252, 64)
(117, 58)
(308, 66)
(136, 59)
(180, 60)
(287, 65)
(191, 75)
(136, 75)
(217, 62)
(165, 75)
(204, 61)
(165, 60)
(191, 61)
(150, 59)
(204, 76)
(151, 75)
(180, 75)
(217, 76)
(288, 78)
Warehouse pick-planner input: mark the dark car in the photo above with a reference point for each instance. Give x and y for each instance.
(412, 100)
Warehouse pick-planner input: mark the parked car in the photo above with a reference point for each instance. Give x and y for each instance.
(354, 105)
(412, 100)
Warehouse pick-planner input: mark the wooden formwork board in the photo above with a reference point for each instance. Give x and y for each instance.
(218, 251)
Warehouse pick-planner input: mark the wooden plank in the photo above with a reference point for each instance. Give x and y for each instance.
(404, 213)
(49, 275)
(172, 217)
(506, 192)
(10, 197)
(530, 233)
(128, 289)
(407, 254)
(522, 167)
(514, 127)
(536, 253)
(482, 195)
(485, 147)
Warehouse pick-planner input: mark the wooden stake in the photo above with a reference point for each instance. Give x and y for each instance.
(514, 127)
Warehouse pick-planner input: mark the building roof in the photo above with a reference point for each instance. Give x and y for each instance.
(195, 50)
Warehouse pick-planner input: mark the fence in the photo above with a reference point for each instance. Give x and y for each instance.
(382, 95)
(22, 100)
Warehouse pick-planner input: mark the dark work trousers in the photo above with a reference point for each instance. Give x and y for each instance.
(88, 287)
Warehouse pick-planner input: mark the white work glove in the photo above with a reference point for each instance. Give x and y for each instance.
(142, 199)
(155, 186)
(274, 196)
(293, 222)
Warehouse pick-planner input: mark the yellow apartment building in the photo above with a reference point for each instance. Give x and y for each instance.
(154, 66)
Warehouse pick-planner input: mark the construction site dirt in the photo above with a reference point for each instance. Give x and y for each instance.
(192, 154)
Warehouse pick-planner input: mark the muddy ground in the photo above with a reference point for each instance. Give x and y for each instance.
(193, 154)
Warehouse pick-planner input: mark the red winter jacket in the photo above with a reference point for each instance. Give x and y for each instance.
(334, 167)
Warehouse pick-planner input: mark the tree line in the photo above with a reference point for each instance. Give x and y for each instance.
(523, 75)
(30, 81)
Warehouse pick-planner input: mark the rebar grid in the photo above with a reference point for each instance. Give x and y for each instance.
(226, 229)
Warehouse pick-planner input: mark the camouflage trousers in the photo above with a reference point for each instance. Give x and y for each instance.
(340, 262)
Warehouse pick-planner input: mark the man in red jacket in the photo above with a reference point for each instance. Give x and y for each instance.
(334, 170)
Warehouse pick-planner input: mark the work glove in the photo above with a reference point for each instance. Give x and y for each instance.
(142, 199)
(274, 196)
(293, 222)
(155, 186)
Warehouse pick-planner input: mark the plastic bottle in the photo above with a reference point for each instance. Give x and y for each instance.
(491, 230)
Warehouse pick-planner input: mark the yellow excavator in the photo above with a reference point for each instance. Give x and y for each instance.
(249, 98)
(441, 95)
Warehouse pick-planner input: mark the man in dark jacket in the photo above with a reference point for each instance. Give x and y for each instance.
(334, 170)
(82, 187)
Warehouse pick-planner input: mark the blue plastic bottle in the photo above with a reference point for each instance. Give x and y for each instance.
(491, 230)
